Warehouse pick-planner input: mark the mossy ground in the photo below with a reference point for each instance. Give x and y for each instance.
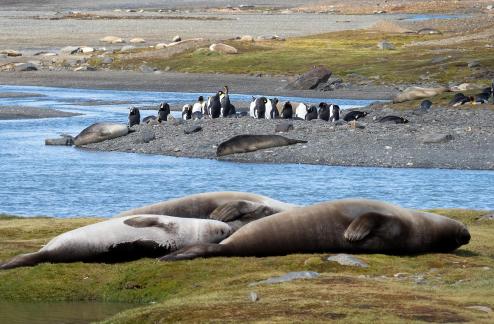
(346, 53)
(218, 288)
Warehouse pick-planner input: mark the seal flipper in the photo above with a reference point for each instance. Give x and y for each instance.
(25, 260)
(363, 225)
(241, 210)
(205, 250)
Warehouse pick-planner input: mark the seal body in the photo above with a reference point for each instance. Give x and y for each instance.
(355, 115)
(100, 132)
(125, 239)
(350, 225)
(413, 93)
(250, 143)
(393, 119)
(134, 117)
(287, 110)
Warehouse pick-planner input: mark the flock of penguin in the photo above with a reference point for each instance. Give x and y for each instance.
(219, 105)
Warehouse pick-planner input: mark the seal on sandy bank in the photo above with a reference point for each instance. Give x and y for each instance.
(393, 119)
(125, 239)
(134, 116)
(349, 225)
(250, 143)
(100, 132)
(413, 93)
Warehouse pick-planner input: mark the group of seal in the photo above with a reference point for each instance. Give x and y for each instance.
(244, 224)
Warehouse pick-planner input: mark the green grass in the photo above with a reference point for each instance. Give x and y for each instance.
(217, 289)
(344, 52)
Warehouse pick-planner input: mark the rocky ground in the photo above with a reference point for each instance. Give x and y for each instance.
(440, 138)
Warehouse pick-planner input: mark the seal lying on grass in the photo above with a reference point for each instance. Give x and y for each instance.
(350, 225)
(125, 239)
(250, 143)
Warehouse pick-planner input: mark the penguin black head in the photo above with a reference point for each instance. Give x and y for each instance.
(200, 99)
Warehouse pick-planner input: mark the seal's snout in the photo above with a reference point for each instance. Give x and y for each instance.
(463, 236)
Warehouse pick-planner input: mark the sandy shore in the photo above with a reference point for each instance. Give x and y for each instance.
(185, 82)
(441, 138)
(7, 112)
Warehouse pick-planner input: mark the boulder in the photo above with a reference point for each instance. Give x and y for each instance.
(137, 40)
(311, 79)
(223, 48)
(112, 40)
(385, 45)
(10, 52)
(177, 38)
(22, 67)
(348, 260)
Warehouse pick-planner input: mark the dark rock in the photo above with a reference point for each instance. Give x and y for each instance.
(437, 138)
(332, 84)
(64, 140)
(284, 127)
(288, 277)
(311, 79)
(348, 260)
(193, 129)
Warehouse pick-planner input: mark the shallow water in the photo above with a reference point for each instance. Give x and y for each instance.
(65, 181)
(54, 313)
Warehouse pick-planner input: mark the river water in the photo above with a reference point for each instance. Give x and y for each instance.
(66, 181)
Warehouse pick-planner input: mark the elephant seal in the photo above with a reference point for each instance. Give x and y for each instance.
(205, 205)
(413, 93)
(125, 239)
(349, 225)
(100, 132)
(250, 143)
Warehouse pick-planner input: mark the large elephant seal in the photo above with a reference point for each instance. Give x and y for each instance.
(351, 225)
(125, 239)
(232, 205)
(100, 132)
(250, 143)
(413, 93)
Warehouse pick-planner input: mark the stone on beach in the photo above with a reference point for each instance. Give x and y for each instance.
(223, 48)
(348, 260)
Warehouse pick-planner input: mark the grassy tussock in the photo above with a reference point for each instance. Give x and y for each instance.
(431, 287)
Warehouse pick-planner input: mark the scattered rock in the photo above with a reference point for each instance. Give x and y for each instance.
(348, 260)
(70, 50)
(385, 45)
(481, 308)
(107, 60)
(288, 277)
(473, 64)
(284, 127)
(64, 140)
(253, 296)
(437, 138)
(23, 67)
(223, 48)
(311, 79)
(10, 52)
(193, 129)
(137, 41)
(112, 40)
(176, 39)
(127, 48)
